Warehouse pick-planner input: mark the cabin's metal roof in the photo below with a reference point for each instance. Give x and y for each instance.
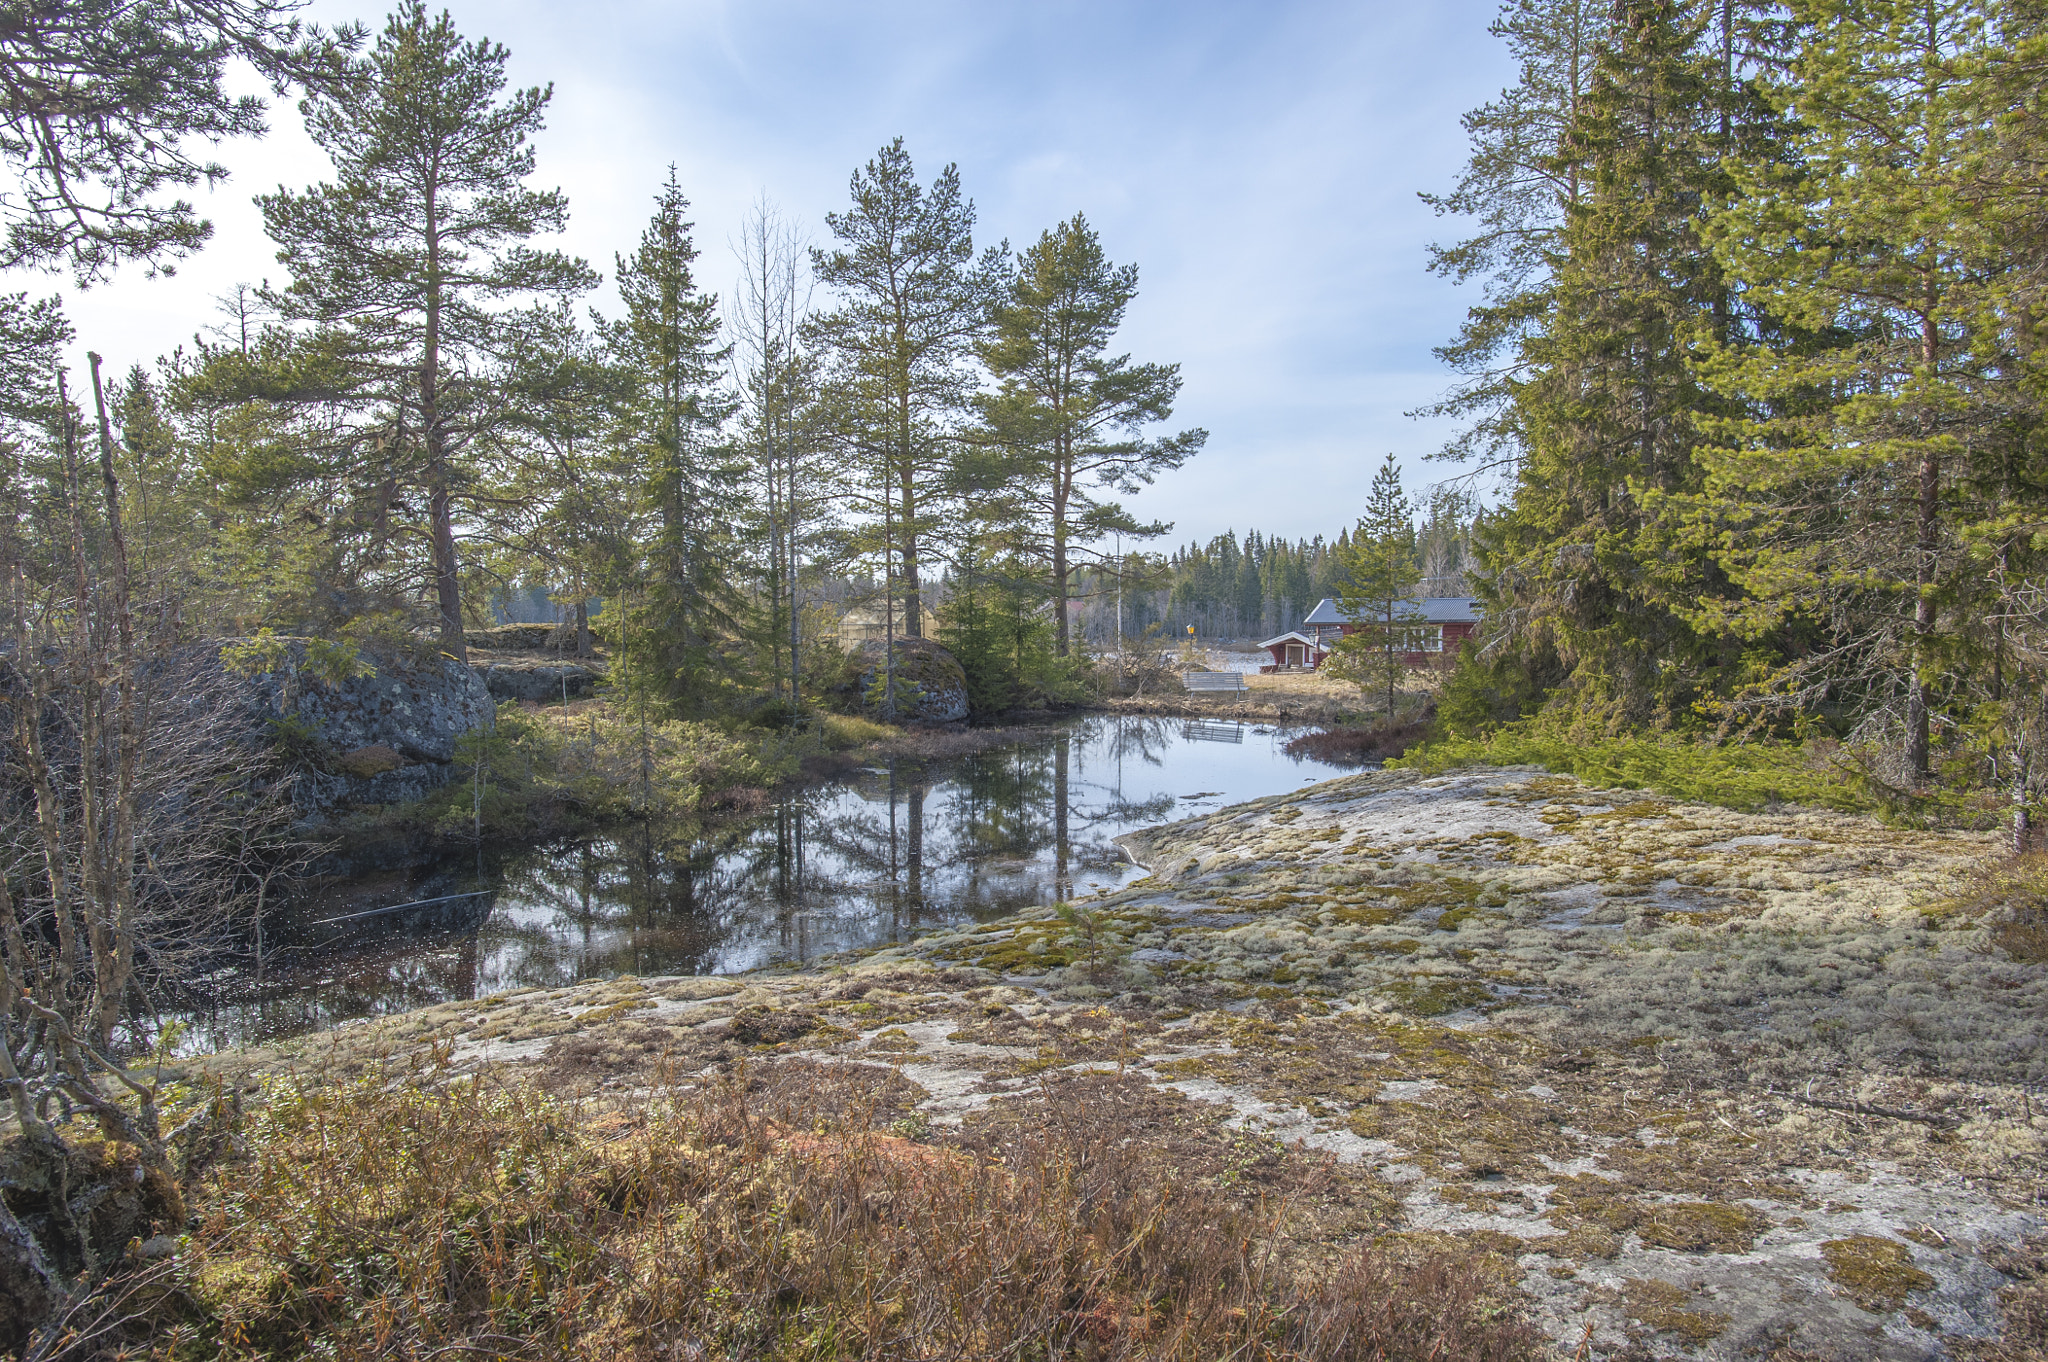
(1428, 610)
(1291, 636)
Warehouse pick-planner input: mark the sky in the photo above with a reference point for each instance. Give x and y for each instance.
(1259, 160)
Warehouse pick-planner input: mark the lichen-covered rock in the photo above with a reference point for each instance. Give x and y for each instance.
(931, 683)
(525, 678)
(1696, 1083)
(384, 737)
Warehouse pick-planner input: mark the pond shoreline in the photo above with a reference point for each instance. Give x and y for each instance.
(1679, 1073)
(393, 841)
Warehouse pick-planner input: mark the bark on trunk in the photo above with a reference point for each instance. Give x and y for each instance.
(447, 572)
(114, 959)
(1918, 704)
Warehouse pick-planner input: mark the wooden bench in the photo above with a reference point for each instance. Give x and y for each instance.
(1231, 683)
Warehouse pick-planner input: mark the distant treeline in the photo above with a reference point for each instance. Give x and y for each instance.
(1258, 584)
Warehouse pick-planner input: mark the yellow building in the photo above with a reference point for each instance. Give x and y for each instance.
(866, 622)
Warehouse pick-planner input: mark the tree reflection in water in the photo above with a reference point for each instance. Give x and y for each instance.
(861, 862)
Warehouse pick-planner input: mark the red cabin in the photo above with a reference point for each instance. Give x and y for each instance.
(1435, 624)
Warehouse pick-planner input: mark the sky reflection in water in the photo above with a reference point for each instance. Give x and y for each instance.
(860, 862)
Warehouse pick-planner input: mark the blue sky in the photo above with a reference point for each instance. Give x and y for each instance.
(1259, 162)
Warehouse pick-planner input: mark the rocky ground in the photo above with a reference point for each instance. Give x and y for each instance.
(1695, 1083)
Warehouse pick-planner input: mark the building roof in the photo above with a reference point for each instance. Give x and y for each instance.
(1428, 610)
(1291, 636)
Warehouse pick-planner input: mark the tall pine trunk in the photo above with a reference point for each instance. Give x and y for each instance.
(447, 579)
(913, 603)
(1059, 579)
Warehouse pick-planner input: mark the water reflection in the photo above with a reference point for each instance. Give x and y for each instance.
(868, 860)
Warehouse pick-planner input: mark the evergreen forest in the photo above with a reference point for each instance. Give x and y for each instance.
(1753, 382)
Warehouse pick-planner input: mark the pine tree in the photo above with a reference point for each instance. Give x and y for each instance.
(912, 302)
(1377, 589)
(1068, 415)
(401, 259)
(104, 104)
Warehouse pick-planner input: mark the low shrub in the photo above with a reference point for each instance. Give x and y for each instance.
(545, 770)
(1358, 746)
(2013, 899)
(1736, 775)
(397, 1220)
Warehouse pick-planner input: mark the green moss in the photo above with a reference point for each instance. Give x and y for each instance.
(597, 1016)
(1877, 1273)
(1702, 1227)
(1739, 775)
(895, 1040)
(1435, 997)
(1669, 1309)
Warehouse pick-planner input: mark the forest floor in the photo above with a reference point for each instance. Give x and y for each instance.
(1668, 1080)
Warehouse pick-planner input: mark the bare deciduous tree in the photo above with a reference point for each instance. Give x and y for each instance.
(134, 832)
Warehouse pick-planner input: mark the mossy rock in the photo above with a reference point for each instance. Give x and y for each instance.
(1877, 1273)
(769, 1026)
(931, 684)
(1702, 1227)
(127, 1200)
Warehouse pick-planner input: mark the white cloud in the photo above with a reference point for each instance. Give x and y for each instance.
(1259, 163)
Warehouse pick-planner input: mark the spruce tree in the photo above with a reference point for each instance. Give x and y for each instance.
(1377, 589)
(1606, 399)
(667, 344)
(1838, 487)
(410, 260)
(1524, 175)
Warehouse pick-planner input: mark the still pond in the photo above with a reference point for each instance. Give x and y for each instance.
(874, 857)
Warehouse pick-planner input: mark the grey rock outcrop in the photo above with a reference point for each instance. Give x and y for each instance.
(385, 738)
(525, 678)
(933, 684)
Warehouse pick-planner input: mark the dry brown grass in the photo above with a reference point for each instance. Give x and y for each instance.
(744, 1220)
(1291, 697)
(1358, 746)
(2014, 898)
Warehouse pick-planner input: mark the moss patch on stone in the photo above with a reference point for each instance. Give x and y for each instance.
(1877, 1273)
(1671, 1310)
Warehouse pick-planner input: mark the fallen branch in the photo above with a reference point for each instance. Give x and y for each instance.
(1868, 1109)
